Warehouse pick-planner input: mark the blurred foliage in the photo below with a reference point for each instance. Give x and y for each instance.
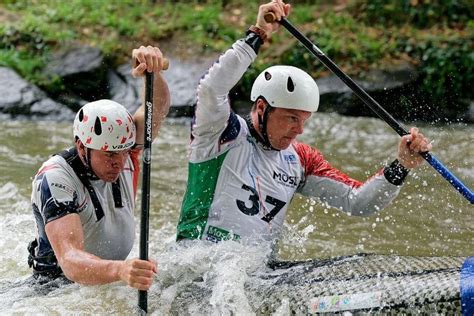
(436, 36)
(440, 41)
(418, 13)
(447, 68)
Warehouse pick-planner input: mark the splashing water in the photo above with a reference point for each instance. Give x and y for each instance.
(429, 218)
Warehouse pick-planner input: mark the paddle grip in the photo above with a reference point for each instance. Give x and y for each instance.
(166, 63)
(269, 17)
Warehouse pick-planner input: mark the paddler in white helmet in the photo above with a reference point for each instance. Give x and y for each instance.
(244, 171)
(83, 198)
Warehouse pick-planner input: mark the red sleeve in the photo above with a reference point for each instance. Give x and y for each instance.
(314, 164)
(135, 155)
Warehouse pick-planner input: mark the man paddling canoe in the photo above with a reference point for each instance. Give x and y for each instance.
(83, 198)
(243, 172)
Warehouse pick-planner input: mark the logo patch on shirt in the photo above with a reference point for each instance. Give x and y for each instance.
(290, 158)
(63, 188)
(216, 234)
(286, 180)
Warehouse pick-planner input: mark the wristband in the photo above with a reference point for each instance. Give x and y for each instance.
(255, 38)
(257, 30)
(395, 173)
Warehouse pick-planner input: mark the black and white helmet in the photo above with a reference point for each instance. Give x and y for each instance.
(287, 87)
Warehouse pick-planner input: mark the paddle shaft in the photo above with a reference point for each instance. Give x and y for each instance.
(373, 105)
(145, 214)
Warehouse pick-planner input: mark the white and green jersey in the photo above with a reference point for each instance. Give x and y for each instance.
(237, 188)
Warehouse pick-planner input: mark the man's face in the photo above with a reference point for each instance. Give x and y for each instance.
(284, 125)
(108, 165)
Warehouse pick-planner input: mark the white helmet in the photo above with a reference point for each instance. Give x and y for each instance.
(287, 87)
(105, 125)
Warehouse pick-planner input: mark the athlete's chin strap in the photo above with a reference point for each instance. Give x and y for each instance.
(87, 162)
(92, 176)
(262, 126)
(85, 174)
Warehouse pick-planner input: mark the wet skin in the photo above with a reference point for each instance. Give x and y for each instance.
(108, 165)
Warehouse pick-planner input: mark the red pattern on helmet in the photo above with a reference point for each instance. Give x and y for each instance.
(103, 119)
(119, 122)
(88, 140)
(124, 139)
(85, 119)
(105, 147)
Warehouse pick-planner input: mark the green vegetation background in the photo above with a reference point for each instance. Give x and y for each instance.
(435, 35)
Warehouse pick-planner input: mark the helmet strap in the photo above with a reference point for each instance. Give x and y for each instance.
(262, 126)
(87, 159)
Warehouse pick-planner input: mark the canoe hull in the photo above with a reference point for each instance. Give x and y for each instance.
(362, 283)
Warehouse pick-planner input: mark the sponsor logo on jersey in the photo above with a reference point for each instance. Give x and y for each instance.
(290, 158)
(283, 178)
(63, 187)
(216, 234)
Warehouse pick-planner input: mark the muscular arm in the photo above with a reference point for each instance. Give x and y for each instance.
(66, 237)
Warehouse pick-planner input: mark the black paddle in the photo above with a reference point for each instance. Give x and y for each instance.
(145, 214)
(372, 104)
(144, 221)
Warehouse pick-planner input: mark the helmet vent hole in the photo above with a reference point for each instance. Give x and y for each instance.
(268, 76)
(81, 115)
(97, 126)
(290, 85)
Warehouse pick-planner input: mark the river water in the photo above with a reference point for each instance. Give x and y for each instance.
(429, 218)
